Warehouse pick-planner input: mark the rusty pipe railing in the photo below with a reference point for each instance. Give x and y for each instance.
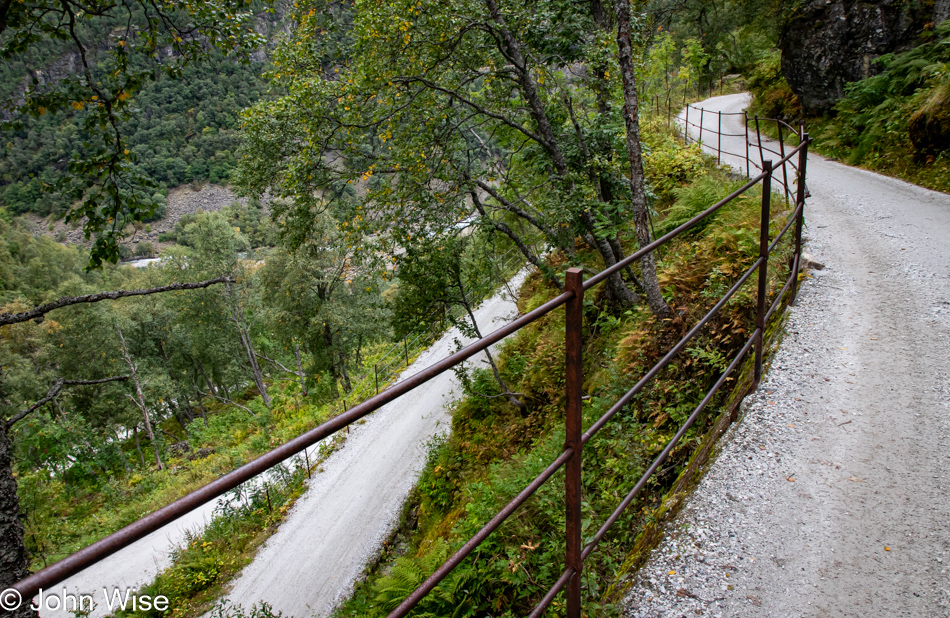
(575, 439)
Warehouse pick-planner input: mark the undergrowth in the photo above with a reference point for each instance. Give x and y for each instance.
(495, 449)
(896, 122)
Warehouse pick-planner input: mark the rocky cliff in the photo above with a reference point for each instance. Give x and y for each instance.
(827, 43)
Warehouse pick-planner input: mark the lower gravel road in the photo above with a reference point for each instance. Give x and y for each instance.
(830, 497)
(316, 556)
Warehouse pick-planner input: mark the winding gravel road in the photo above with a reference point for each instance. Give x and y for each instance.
(830, 497)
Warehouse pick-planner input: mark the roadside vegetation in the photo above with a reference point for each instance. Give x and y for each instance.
(896, 122)
(495, 448)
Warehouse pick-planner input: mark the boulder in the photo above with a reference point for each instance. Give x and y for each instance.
(929, 127)
(827, 43)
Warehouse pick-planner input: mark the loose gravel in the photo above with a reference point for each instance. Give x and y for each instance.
(829, 497)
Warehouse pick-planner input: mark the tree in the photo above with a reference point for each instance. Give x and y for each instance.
(216, 247)
(139, 399)
(473, 105)
(325, 296)
(432, 274)
(631, 115)
(118, 47)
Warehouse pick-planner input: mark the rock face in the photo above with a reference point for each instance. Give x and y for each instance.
(827, 43)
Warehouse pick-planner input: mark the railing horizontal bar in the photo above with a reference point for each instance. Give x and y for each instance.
(790, 127)
(788, 225)
(712, 111)
(669, 447)
(447, 566)
(588, 284)
(55, 573)
(670, 355)
(556, 588)
(784, 289)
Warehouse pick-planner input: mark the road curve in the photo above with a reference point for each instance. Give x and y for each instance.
(830, 497)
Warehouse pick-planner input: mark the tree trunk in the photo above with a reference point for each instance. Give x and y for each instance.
(140, 400)
(14, 558)
(334, 375)
(491, 361)
(201, 408)
(211, 387)
(651, 285)
(237, 316)
(300, 372)
(138, 446)
(347, 387)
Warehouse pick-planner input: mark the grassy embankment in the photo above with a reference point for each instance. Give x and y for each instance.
(896, 123)
(494, 450)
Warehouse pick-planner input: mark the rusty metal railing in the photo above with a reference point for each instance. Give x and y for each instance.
(782, 128)
(571, 457)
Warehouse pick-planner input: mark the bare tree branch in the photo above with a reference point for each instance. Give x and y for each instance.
(278, 363)
(230, 401)
(54, 391)
(65, 301)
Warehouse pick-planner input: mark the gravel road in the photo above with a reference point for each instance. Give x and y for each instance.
(830, 497)
(312, 562)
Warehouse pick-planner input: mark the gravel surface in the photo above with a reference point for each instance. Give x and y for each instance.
(830, 497)
(320, 551)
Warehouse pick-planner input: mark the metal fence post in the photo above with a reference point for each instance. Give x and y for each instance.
(405, 345)
(376, 376)
(758, 140)
(573, 378)
(719, 141)
(748, 173)
(799, 201)
(760, 307)
(781, 147)
(702, 113)
(686, 127)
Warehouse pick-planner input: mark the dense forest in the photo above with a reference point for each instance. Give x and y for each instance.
(183, 130)
(415, 157)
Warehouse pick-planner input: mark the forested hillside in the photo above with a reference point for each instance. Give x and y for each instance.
(873, 92)
(182, 130)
